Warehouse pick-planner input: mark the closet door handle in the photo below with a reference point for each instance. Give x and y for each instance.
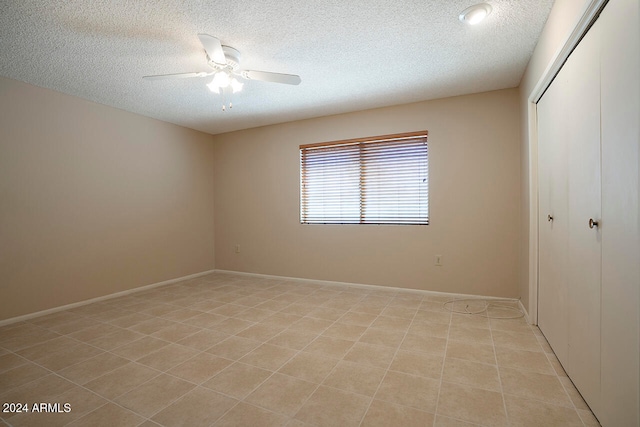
(593, 223)
(549, 218)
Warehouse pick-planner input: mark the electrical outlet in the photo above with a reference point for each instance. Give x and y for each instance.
(439, 260)
(237, 249)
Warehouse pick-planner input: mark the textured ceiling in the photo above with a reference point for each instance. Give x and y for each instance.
(351, 55)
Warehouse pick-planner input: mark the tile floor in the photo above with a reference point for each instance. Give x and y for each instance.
(231, 350)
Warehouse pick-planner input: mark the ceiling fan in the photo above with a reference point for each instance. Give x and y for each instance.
(225, 62)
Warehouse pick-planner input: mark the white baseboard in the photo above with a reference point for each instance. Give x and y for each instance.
(366, 286)
(102, 298)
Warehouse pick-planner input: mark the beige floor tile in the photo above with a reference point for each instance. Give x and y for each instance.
(154, 395)
(372, 355)
(44, 389)
(269, 357)
(470, 334)
(329, 346)
(471, 351)
(309, 367)
(17, 341)
(588, 418)
(385, 414)
(524, 360)
(311, 325)
(205, 320)
(430, 305)
(176, 332)
(355, 378)
(74, 326)
(152, 326)
(347, 409)
(229, 310)
(533, 413)
(167, 357)
(40, 351)
(282, 394)
(475, 374)
(254, 314)
(433, 316)
(555, 364)
(451, 422)
(345, 331)
(122, 380)
(232, 326)
(432, 329)
(200, 368)
(382, 337)
(544, 344)
(424, 343)
(131, 320)
(140, 348)
(573, 393)
(471, 404)
(365, 308)
(238, 380)
(181, 315)
(470, 320)
(9, 361)
(417, 363)
(204, 339)
(107, 416)
(358, 318)
(80, 400)
(327, 313)
(299, 308)
(272, 305)
(21, 375)
(199, 407)
(69, 356)
(244, 414)
(399, 311)
(532, 385)
(409, 390)
(260, 332)
(397, 324)
(83, 372)
(516, 340)
(115, 339)
(281, 319)
(514, 325)
(293, 339)
(233, 348)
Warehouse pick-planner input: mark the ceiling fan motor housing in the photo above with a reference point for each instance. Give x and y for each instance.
(232, 57)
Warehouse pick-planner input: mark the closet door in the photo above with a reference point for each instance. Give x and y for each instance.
(582, 120)
(570, 191)
(553, 294)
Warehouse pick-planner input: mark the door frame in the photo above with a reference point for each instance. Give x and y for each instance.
(589, 15)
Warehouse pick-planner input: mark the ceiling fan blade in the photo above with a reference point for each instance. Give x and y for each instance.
(213, 47)
(265, 76)
(176, 76)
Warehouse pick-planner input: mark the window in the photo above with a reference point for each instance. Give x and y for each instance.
(379, 180)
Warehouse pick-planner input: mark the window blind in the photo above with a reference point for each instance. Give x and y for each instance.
(380, 180)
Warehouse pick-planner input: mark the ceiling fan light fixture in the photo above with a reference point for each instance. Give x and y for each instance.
(475, 14)
(236, 85)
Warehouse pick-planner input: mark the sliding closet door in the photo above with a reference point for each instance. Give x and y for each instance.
(553, 295)
(582, 120)
(570, 216)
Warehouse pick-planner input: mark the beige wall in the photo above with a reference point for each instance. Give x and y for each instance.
(95, 200)
(563, 18)
(474, 163)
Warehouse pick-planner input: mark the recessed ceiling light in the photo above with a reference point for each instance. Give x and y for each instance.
(475, 14)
